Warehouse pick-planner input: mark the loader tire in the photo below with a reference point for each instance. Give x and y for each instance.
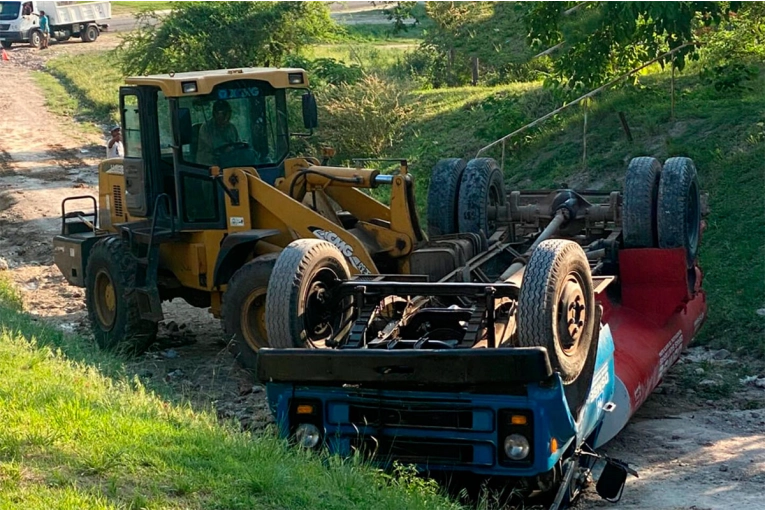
(296, 316)
(443, 196)
(243, 312)
(641, 190)
(112, 309)
(556, 306)
(481, 186)
(679, 207)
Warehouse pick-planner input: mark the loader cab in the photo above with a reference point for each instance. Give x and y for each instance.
(176, 127)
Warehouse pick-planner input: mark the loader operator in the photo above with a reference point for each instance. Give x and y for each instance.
(216, 133)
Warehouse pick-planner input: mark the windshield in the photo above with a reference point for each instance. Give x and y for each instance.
(9, 11)
(241, 123)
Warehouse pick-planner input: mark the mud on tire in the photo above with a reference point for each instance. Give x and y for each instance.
(112, 309)
(295, 314)
(243, 310)
(556, 306)
(443, 196)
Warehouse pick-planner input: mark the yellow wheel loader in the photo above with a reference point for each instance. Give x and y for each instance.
(207, 206)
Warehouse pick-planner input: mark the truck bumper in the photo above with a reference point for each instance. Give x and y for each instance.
(12, 36)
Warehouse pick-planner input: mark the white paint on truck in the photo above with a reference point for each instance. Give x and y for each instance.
(19, 20)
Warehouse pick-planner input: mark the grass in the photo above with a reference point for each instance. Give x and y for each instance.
(724, 133)
(78, 433)
(123, 8)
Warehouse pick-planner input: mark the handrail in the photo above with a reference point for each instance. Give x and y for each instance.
(578, 100)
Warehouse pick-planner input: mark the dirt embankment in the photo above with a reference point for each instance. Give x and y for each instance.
(691, 452)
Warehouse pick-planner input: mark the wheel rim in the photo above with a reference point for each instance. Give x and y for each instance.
(253, 319)
(106, 300)
(320, 321)
(572, 314)
(36, 39)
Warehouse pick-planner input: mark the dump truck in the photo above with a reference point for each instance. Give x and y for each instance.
(20, 21)
(518, 364)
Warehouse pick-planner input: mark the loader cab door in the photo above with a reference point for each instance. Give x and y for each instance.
(141, 163)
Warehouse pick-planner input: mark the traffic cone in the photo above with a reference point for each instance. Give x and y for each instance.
(5, 55)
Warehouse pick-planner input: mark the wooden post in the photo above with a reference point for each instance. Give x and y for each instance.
(625, 126)
(474, 66)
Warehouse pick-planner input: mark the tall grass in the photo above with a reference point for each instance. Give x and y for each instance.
(77, 433)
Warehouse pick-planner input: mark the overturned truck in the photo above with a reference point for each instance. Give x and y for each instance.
(529, 330)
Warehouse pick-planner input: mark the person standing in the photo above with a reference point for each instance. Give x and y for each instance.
(44, 30)
(114, 145)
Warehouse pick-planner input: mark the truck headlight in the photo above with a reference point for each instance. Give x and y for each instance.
(307, 435)
(517, 447)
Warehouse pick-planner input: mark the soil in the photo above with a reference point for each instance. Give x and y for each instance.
(690, 452)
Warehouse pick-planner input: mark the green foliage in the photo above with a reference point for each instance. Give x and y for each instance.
(326, 71)
(730, 76)
(9, 295)
(363, 119)
(219, 35)
(600, 40)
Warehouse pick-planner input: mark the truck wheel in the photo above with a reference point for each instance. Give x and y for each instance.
(481, 186)
(443, 193)
(243, 312)
(35, 39)
(641, 189)
(297, 314)
(679, 207)
(90, 33)
(556, 306)
(6, 44)
(113, 311)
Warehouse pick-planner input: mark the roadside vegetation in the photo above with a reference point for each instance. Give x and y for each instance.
(79, 433)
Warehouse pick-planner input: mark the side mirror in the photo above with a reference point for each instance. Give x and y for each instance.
(310, 111)
(184, 126)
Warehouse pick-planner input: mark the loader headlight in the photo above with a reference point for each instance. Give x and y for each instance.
(517, 447)
(307, 435)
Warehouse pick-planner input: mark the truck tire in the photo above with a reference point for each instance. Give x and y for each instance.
(679, 207)
(641, 190)
(443, 195)
(6, 44)
(112, 309)
(244, 308)
(35, 38)
(296, 316)
(90, 34)
(556, 306)
(481, 186)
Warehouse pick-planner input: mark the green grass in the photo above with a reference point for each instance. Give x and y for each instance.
(122, 8)
(79, 434)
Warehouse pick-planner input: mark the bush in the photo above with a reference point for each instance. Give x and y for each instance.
(362, 119)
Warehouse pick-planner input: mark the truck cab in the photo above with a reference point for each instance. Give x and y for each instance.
(20, 21)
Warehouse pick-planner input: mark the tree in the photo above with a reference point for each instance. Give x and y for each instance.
(596, 41)
(219, 35)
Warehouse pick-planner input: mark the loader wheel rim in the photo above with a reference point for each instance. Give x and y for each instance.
(253, 319)
(106, 299)
(572, 314)
(318, 316)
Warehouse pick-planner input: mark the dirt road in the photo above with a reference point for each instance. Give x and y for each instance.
(691, 452)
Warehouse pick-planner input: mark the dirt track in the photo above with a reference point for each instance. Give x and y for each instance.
(691, 453)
